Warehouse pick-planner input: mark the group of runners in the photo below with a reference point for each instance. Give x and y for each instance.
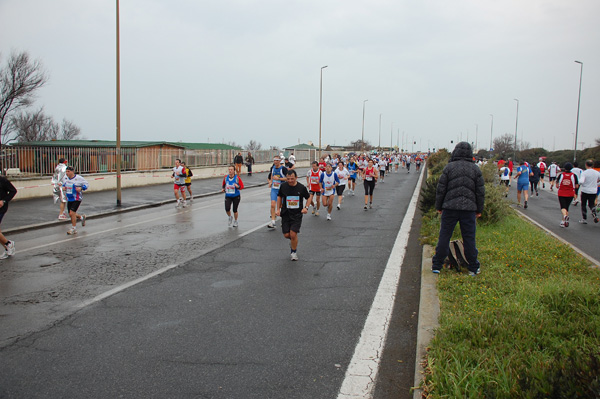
(571, 182)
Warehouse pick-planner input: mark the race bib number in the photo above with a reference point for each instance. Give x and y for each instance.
(369, 178)
(276, 184)
(314, 180)
(292, 202)
(230, 189)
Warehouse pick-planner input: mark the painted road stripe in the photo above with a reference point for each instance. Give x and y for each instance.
(361, 375)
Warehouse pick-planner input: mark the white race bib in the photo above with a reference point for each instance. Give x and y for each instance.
(292, 202)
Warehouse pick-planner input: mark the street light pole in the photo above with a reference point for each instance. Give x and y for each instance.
(320, 108)
(578, 102)
(492, 133)
(363, 128)
(118, 144)
(516, 125)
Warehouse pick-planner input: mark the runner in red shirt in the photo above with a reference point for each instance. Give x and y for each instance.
(314, 187)
(566, 183)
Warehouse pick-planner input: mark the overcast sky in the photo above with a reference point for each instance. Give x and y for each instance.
(236, 70)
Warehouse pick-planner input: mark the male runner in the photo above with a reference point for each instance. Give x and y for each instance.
(290, 207)
(342, 173)
(542, 165)
(577, 172)
(277, 175)
(179, 184)
(313, 178)
(7, 193)
(553, 170)
(188, 180)
(382, 164)
(589, 187)
(329, 181)
(504, 178)
(74, 185)
(352, 169)
(523, 174)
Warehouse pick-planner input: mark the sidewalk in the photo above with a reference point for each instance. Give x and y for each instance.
(42, 212)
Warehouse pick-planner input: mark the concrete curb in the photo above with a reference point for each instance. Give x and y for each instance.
(429, 313)
(53, 223)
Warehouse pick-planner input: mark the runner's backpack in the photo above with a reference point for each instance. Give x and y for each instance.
(456, 256)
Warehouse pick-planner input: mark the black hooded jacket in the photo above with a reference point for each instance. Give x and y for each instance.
(461, 186)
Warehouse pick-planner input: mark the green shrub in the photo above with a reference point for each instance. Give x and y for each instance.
(495, 206)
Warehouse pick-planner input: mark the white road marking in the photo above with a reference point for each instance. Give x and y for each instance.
(361, 375)
(86, 235)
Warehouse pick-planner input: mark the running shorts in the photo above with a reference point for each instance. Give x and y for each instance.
(369, 187)
(552, 178)
(340, 189)
(1, 216)
(274, 194)
(382, 173)
(179, 187)
(188, 184)
(352, 179)
(232, 200)
(290, 222)
(318, 193)
(565, 202)
(73, 206)
(523, 186)
(505, 182)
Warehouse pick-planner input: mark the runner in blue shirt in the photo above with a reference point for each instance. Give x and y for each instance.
(523, 173)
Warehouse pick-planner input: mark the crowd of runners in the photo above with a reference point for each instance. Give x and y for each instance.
(573, 184)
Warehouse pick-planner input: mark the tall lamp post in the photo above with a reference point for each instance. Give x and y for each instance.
(578, 102)
(118, 144)
(516, 125)
(363, 128)
(321, 107)
(492, 133)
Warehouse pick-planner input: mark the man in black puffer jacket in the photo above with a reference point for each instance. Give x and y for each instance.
(459, 199)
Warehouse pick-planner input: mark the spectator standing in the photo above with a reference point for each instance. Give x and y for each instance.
(249, 163)
(238, 160)
(459, 198)
(7, 193)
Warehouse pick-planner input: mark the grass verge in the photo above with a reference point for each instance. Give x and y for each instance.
(528, 326)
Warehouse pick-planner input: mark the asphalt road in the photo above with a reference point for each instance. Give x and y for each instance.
(545, 210)
(229, 316)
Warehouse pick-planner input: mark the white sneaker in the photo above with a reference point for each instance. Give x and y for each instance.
(10, 248)
(328, 216)
(271, 225)
(293, 256)
(4, 255)
(313, 211)
(178, 204)
(83, 218)
(62, 216)
(317, 213)
(72, 231)
(235, 223)
(339, 207)
(230, 220)
(185, 204)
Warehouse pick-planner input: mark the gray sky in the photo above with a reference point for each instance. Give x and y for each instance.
(236, 70)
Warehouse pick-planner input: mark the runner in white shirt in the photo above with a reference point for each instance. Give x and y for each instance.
(329, 182)
(553, 170)
(505, 178)
(577, 172)
(382, 163)
(589, 183)
(342, 174)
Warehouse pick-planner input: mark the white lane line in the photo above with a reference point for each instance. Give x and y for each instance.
(361, 375)
(86, 235)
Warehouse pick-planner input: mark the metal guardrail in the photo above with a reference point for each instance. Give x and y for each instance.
(41, 161)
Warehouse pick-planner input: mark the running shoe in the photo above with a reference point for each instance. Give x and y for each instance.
(185, 204)
(313, 212)
(370, 206)
(72, 231)
(566, 221)
(475, 273)
(235, 223)
(365, 207)
(583, 221)
(230, 220)
(271, 225)
(339, 207)
(10, 248)
(435, 271)
(328, 216)
(62, 216)
(178, 204)
(525, 205)
(83, 218)
(293, 256)
(537, 194)
(4, 255)
(317, 213)
(562, 223)
(575, 203)
(595, 216)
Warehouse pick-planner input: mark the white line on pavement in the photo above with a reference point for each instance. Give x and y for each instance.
(361, 375)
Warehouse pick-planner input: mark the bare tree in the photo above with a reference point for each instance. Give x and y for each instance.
(359, 145)
(504, 145)
(19, 81)
(37, 126)
(253, 146)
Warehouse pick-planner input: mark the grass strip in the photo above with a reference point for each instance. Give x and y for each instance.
(527, 327)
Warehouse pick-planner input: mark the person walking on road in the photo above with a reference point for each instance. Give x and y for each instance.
(179, 184)
(188, 180)
(232, 184)
(553, 171)
(74, 185)
(249, 163)
(277, 175)
(290, 206)
(313, 182)
(57, 189)
(566, 182)
(7, 193)
(534, 179)
(522, 178)
(589, 187)
(460, 196)
(238, 160)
